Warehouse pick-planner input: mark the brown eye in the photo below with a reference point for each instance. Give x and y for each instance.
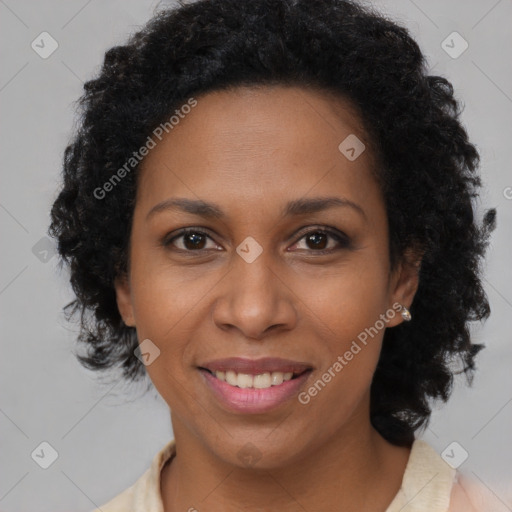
(190, 240)
(318, 241)
(194, 241)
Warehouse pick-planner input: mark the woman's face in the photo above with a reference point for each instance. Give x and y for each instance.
(272, 271)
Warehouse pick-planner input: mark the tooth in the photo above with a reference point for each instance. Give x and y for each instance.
(277, 378)
(231, 378)
(262, 381)
(244, 380)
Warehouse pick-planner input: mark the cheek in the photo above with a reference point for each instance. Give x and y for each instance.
(346, 308)
(346, 301)
(164, 294)
(166, 301)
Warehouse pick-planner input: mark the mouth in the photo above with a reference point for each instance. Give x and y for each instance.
(263, 380)
(254, 386)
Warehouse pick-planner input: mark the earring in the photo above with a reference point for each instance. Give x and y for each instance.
(406, 314)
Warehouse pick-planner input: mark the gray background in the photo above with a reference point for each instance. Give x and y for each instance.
(106, 436)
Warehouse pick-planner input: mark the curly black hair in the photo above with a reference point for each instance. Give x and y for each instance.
(427, 170)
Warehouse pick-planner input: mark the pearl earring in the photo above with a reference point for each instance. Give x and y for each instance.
(406, 314)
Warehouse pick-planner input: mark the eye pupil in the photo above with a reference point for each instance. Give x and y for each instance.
(193, 238)
(314, 237)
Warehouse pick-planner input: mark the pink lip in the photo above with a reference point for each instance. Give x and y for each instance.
(249, 400)
(256, 366)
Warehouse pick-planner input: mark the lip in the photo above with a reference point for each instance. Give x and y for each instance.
(256, 366)
(252, 400)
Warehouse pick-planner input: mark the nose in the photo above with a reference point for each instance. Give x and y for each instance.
(254, 299)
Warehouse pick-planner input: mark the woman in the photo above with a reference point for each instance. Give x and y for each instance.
(268, 210)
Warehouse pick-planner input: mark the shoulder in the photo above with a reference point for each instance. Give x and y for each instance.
(427, 481)
(430, 484)
(122, 502)
(459, 499)
(145, 493)
(469, 495)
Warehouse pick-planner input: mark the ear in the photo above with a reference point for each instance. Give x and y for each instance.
(404, 283)
(124, 300)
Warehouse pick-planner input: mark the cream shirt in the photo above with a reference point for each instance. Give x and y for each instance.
(429, 484)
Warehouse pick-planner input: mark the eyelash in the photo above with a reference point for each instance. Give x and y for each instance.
(342, 239)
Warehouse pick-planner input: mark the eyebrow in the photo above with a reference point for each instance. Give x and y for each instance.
(292, 208)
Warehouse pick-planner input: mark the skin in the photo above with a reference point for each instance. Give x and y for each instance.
(250, 151)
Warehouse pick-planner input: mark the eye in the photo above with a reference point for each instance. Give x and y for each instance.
(191, 240)
(317, 240)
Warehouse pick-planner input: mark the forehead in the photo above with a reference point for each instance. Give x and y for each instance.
(251, 143)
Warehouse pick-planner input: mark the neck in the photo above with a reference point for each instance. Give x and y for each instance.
(356, 469)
